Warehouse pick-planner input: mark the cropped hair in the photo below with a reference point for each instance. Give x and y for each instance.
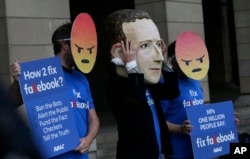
(62, 33)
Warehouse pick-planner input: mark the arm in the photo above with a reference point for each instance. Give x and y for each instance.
(86, 142)
(185, 128)
(93, 125)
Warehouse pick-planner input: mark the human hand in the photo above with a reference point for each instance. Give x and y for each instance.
(237, 121)
(130, 56)
(15, 70)
(84, 145)
(128, 52)
(186, 127)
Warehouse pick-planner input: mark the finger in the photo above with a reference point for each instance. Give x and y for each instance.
(128, 50)
(123, 47)
(237, 121)
(131, 52)
(78, 148)
(124, 52)
(15, 67)
(84, 148)
(186, 131)
(127, 45)
(186, 122)
(189, 128)
(130, 46)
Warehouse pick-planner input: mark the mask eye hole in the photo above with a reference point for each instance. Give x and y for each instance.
(144, 46)
(159, 44)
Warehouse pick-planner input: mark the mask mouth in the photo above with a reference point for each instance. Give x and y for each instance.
(196, 70)
(85, 61)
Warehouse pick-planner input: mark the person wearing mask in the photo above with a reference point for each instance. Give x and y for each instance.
(175, 110)
(86, 119)
(132, 48)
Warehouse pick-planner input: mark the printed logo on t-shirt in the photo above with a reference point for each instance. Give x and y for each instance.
(77, 94)
(76, 103)
(193, 100)
(155, 118)
(149, 99)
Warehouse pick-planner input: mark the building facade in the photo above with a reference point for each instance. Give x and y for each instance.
(26, 27)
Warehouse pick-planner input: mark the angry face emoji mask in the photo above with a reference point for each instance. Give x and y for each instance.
(192, 55)
(84, 42)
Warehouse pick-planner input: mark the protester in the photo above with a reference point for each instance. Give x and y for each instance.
(86, 120)
(132, 47)
(175, 110)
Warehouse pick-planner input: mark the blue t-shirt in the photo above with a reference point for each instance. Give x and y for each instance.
(81, 102)
(156, 121)
(191, 94)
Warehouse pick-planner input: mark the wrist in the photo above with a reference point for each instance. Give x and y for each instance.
(131, 67)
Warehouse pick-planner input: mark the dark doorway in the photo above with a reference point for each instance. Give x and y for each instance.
(220, 39)
(98, 9)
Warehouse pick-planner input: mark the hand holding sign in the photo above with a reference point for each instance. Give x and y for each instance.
(214, 129)
(46, 101)
(15, 70)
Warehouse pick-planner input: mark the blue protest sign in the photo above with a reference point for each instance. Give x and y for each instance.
(214, 129)
(46, 101)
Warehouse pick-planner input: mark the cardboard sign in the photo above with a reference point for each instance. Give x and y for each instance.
(214, 129)
(45, 97)
(192, 55)
(84, 42)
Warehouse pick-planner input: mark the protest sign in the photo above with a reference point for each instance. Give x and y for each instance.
(47, 105)
(214, 129)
